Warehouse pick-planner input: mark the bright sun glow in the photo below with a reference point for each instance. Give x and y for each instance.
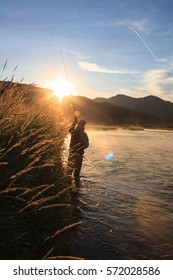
(61, 88)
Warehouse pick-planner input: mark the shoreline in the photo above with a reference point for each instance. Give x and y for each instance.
(135, 128)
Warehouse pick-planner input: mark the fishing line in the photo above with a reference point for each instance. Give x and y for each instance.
(61, 20)
(68, 80)
(57, 24)
(65, 68)
(93, 19)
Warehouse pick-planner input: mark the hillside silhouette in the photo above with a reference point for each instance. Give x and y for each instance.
(119, 110)
(147, 105)
(107, 113)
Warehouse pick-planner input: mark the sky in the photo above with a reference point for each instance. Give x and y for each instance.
(100, 48)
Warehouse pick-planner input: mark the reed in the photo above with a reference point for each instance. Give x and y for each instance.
(32, 177)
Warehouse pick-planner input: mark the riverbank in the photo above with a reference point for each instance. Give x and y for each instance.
(35, 196)
(113, 127)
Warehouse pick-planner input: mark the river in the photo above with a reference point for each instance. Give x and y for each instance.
(125, 201)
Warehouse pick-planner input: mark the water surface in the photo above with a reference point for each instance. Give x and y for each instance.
(126, 197)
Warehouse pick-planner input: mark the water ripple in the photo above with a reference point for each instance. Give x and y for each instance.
(126, 203)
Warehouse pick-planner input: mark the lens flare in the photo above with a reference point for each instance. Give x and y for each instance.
(109, 156)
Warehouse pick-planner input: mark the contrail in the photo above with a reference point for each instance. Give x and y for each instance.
(142, 40)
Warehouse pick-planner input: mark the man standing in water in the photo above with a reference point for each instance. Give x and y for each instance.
(79, 142)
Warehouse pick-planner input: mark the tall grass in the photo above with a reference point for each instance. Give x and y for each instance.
(35, 209)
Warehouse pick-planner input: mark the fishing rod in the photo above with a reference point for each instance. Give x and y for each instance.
(65, 68)
(75, 112)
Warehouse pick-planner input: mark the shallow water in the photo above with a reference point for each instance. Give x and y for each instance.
(126, 197)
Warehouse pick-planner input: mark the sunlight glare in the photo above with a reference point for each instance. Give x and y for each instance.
(61, 88)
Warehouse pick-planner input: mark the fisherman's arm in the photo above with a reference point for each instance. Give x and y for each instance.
(72, 127)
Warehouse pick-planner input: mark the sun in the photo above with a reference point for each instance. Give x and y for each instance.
(61, 88)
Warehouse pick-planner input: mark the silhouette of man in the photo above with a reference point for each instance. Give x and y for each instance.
(79, 142)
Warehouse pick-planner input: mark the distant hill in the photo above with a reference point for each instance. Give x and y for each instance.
(31, 92)
(148, 105)
(107, 113)
(119, 110)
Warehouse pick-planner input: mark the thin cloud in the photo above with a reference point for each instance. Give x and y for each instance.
(158, 59)
(78, 55)
(135, 92)
(159, 81)
(93, 67)
(140, 25)
(143, 41)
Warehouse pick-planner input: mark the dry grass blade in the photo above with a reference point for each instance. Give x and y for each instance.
(15, 68)
(30, 190)
(37, 202)
(41, 192)
(33, 174)
(48, 253)
(27, 170)
(64, 258)
(38, 145)
(10, 149)
(94, 166)
(8, 190)
(65, 190)
(63, 229)
(14, 198)
(5, 64)
(12, 79)
(45, 199)
(55, 205)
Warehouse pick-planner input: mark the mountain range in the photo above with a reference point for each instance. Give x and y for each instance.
(149, 105)
(122, 110)
(119, 110)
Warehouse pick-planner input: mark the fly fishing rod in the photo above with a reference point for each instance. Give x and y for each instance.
(75, 112)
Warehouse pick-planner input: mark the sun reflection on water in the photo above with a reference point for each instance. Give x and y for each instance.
(65, 150)
(151, 218)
